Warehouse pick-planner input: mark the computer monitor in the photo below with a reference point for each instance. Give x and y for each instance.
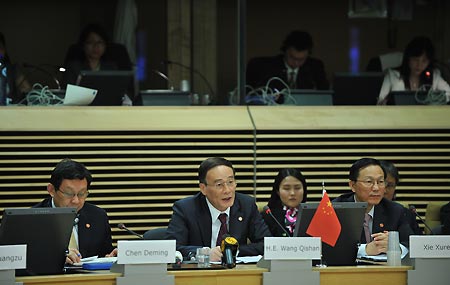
(361, 88)
(351, 217)
(45, 231)
(165, 98)
(309, 97)
(110, 84)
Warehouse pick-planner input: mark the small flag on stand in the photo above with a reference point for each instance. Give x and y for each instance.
(325, 223)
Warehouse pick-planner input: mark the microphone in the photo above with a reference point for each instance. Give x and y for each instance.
(123, 227)
(229, 249)
(267, 210)
(167, 62)
(164, 76)
(413, 209)
(77, 220)
(43, 70)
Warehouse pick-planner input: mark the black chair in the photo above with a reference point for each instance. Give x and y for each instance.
(155, 234)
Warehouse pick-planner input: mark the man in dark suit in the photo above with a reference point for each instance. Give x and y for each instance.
(367, 181)
(392, 180)
(294, 66)
(202, 219)
(68, 187)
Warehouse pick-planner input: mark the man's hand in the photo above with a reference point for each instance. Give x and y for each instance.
(215, 254)
(379, 244)
(74, 256)
(112, 254)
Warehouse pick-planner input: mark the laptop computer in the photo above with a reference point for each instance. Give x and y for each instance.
(307, 97)
(407, 97)
(45, 231)
(111, 85)
(351, 217)
(361, 88)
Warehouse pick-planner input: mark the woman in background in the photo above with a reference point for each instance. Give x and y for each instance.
(17, 85)
(289, 190)
(416, 71)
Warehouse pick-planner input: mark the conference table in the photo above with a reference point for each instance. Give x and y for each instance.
(248, 274)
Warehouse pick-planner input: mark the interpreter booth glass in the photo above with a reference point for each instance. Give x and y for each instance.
(351, 217)
(45, 231)
(112, 85)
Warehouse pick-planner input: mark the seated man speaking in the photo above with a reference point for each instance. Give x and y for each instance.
(202, 220)
(367, 180)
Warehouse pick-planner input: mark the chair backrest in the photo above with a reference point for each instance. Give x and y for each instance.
(156, 234)
(432, 214)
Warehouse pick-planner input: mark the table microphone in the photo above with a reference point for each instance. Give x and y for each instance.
(413, 209)
(123, 227)
(267, 210)
(46, 72)
(229, 247)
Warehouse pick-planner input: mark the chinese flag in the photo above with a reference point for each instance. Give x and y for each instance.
(325, 223)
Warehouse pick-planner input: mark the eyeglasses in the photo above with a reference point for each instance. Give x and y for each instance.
(94, 44)
(221, 184)
(391, 185)
(81, 195)
(371, 183)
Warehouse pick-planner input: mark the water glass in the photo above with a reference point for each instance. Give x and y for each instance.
(394, 252)
(202, 257)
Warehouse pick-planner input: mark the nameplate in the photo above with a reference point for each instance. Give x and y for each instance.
(429, 246)
(292, 248)
(145, 251)
(13, 256)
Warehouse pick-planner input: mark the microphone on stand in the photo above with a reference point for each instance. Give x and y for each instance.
(413, 209)
(123, 227)
(164, 76)
(167, 62)
(36, 67)
(229, 247)
(267, 210)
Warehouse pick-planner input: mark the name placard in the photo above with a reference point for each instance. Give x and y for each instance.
(429, 246)
(145, 251)
(13, 256)
(292, 248)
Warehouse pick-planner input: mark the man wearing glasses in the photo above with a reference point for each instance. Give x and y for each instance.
(367, 179)
(69, 187)
(202, 220)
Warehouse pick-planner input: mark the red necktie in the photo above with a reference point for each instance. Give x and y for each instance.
(366, 228)
(223, 228)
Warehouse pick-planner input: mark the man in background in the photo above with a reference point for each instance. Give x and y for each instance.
(294, 66)
(392, 179)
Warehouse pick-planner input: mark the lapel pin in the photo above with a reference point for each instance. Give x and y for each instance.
(88, 226)
(240, 219)
(381, 225)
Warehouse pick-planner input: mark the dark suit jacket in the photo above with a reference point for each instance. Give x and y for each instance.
(311, 75)
(190, 225)
(387, 216)
(94, 232)
(275, 228)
